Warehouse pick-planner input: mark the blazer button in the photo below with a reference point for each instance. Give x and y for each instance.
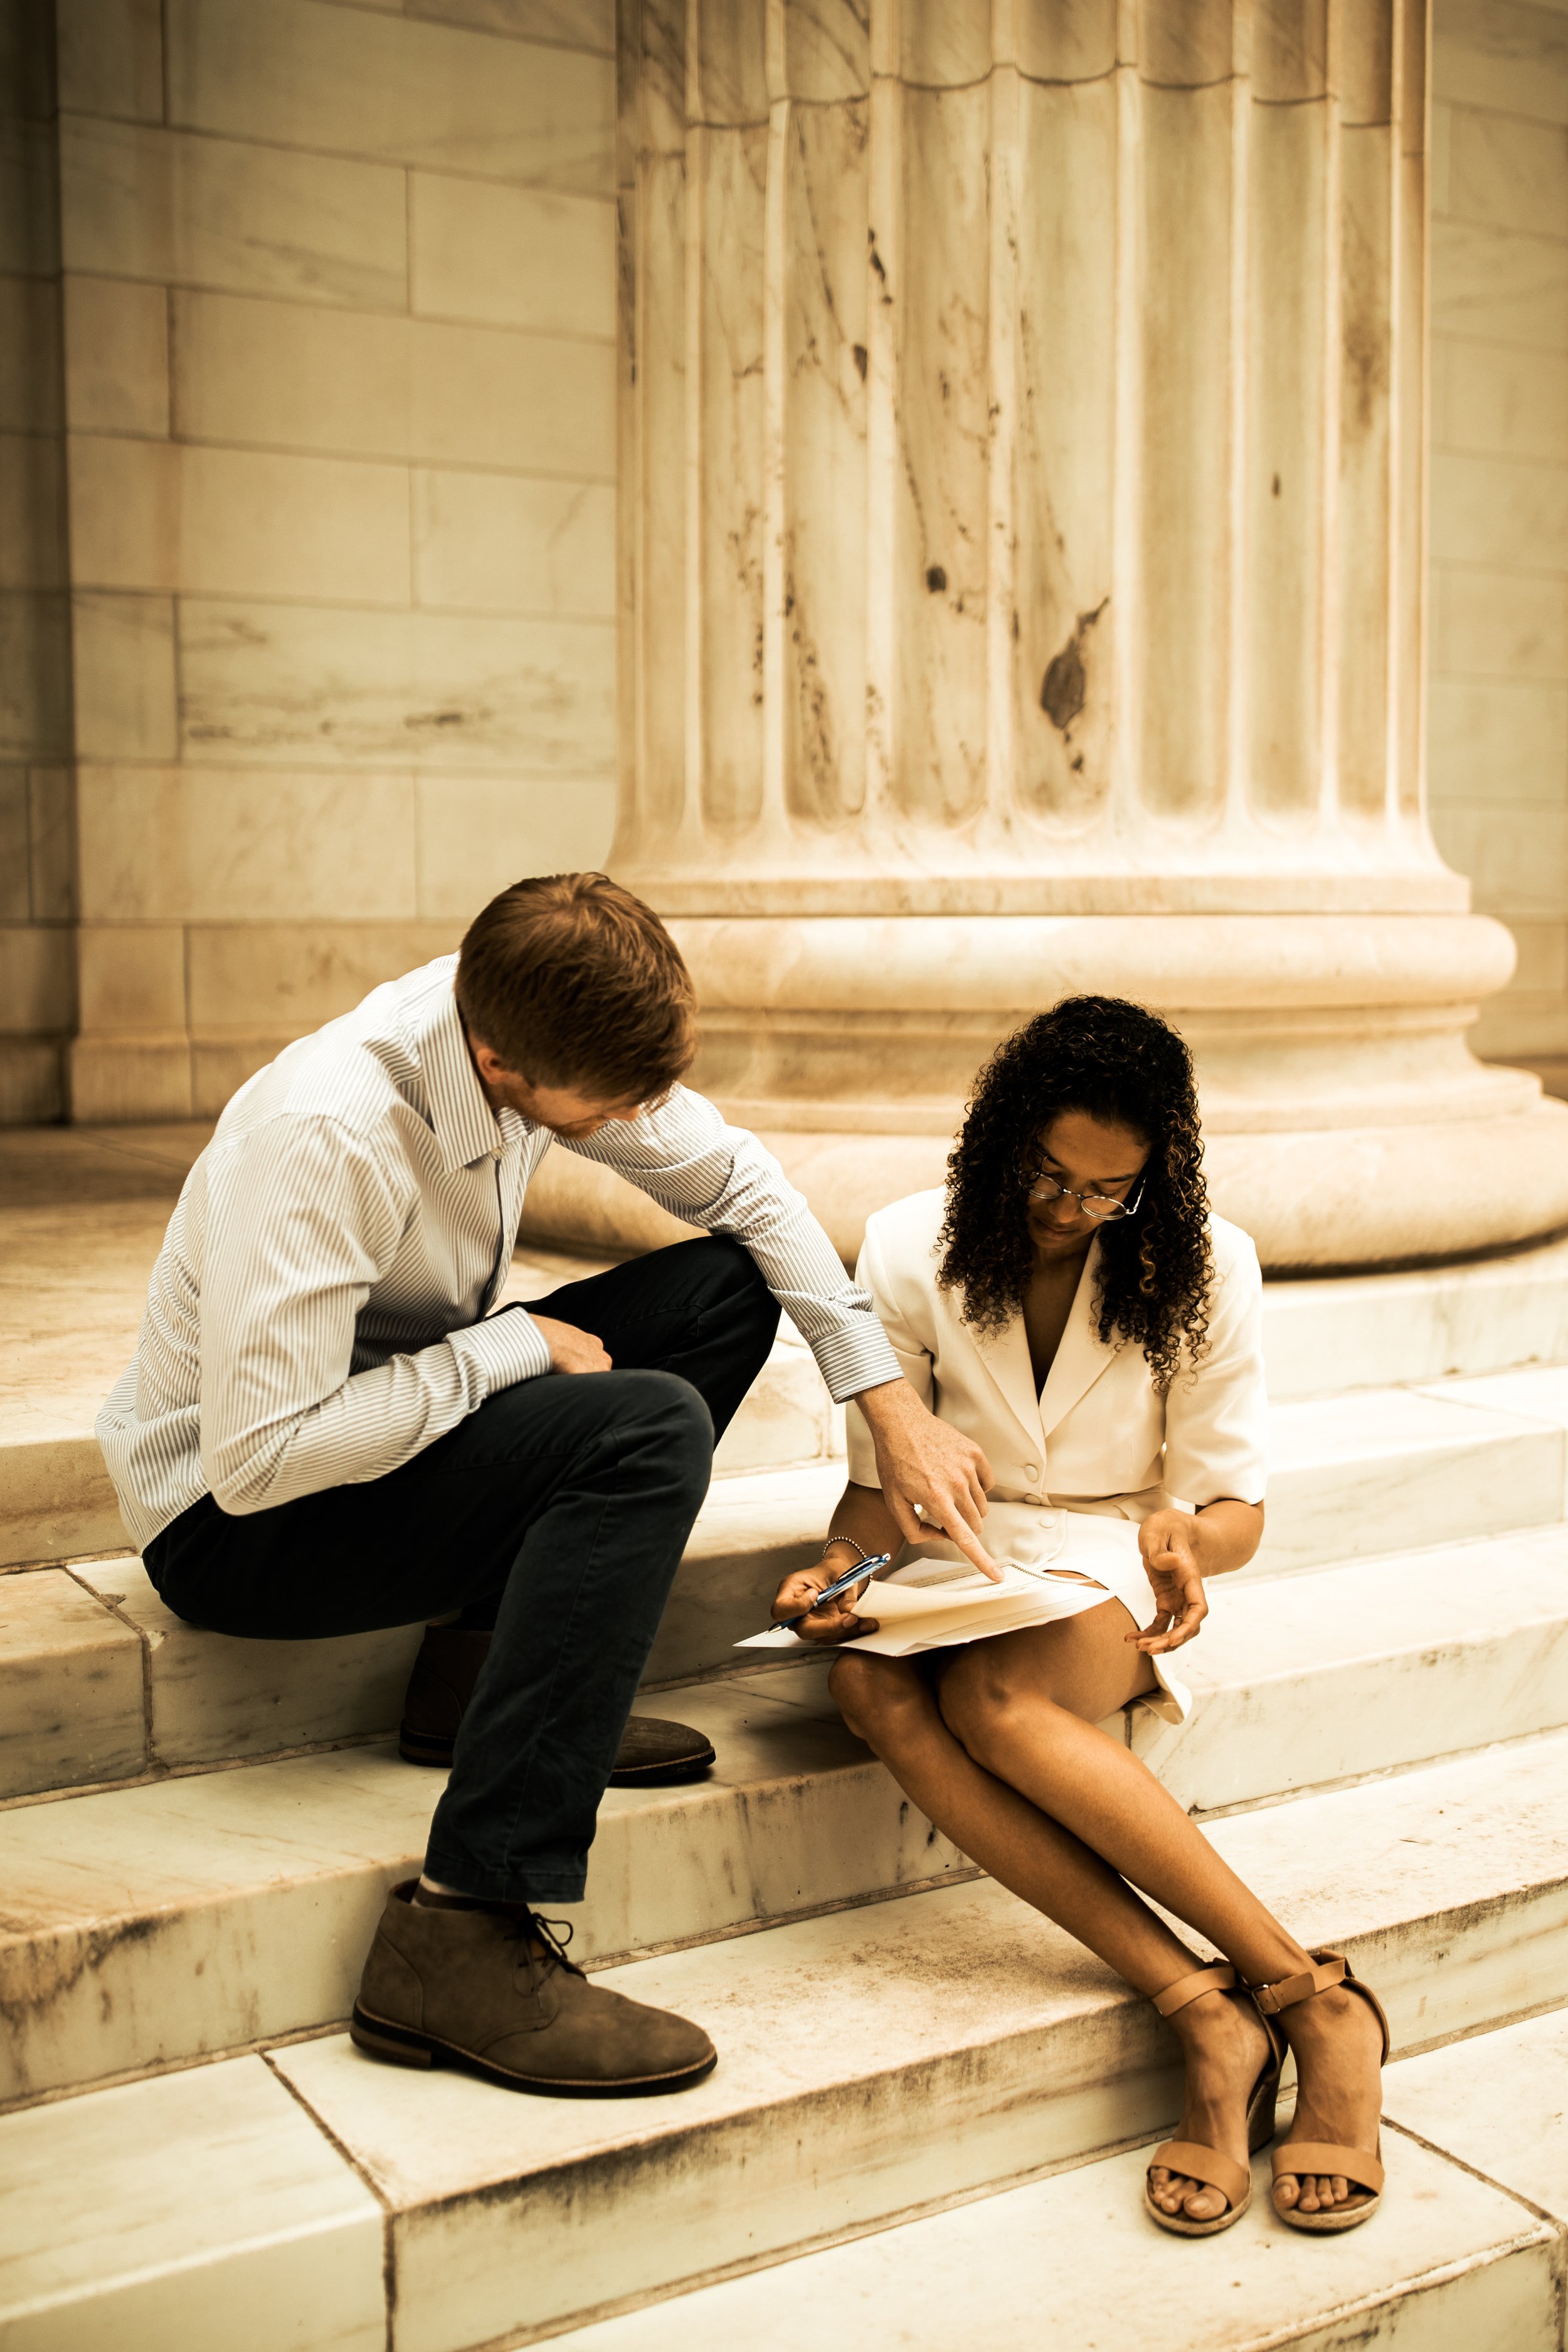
(1031, 1469)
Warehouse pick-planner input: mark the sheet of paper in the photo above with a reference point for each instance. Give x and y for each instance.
(930, 1615)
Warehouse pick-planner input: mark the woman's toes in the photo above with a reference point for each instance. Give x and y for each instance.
(1205, 2204)
(1286, 2192)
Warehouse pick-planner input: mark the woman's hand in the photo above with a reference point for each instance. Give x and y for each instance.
(837, 1621)
(1169, 1562)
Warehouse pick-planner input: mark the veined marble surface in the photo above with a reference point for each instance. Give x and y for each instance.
(71, 1674)
(157, 1923)
(213, 1698)
(969, 2039)
(1456, 2261)
(1499, 2104)
(1302, 1680)
(202, 2210)
(1386, 1469)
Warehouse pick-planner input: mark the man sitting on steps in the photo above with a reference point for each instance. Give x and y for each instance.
(326, 1428)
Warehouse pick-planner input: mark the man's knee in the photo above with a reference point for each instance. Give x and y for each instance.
(663, 1409)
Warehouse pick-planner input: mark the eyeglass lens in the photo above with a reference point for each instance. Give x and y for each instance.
(1093, 1204)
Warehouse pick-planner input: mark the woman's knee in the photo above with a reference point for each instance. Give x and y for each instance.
(982, 1699)
(877, 1696)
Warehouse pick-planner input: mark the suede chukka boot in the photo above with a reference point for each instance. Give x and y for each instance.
(493, 1991)
(653, 1752)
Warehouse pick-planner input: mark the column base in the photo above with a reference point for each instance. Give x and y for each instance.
(1325, 1201)
(1347, 1124)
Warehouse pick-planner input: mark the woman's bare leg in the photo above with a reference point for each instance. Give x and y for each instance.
(1010, 1764)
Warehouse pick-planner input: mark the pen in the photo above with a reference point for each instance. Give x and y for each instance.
(839, 1584)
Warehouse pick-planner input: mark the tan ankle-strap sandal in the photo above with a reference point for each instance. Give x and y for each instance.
(1190, 2156)
(1318, 2159)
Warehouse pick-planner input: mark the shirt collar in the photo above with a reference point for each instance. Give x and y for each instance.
(466, 1127)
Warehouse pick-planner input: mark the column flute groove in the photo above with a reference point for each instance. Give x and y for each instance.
(1028, 404)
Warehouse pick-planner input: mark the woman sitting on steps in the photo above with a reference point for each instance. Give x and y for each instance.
(1069, 1304)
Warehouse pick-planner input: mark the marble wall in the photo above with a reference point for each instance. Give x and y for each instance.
(1498, 732)
(305, 635)
(339, 380)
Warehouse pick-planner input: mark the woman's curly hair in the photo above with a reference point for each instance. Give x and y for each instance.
(1121, 1064)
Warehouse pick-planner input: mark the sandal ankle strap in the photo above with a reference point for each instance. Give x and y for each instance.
(1219, 1979)
(1329, 1970)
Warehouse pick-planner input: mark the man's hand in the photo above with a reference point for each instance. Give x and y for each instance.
(572, 1351)
(836, 1623)
(1170, 1562)
(921, 1459)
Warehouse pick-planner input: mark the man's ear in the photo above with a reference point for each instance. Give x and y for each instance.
(492, 1068)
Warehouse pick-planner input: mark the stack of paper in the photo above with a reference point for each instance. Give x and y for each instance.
(932, 1603)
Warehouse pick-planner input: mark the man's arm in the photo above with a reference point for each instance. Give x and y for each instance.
(932, 1478)
(684, 1156)
(719, 1177)
(302, 1218)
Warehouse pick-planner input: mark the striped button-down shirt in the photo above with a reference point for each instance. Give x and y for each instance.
(320, 1309)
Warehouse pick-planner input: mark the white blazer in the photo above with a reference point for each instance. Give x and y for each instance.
(1097, 1437)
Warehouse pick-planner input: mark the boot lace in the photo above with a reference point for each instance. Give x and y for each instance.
(554, 1935)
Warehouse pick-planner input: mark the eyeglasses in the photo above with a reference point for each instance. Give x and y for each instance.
(1098, 1205)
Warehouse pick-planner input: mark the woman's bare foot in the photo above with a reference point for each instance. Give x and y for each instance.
(1226, 2047)
(1338, 2043)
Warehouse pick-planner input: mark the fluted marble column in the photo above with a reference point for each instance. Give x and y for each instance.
(1022, 585)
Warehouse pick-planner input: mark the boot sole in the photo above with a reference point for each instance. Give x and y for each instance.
(414, 1748)
(399, 2045)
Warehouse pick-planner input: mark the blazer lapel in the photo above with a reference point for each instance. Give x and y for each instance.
(1006, 1357)
(1082, 1356)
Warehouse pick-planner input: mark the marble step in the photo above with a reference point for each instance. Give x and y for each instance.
(1464, 2253)
(103, 2240)
(202, 2210)
(874, 2061)
(152, 1925)
(133, 1909)
(1382, 1330)
(98, 1681)
(1297, 1681)
(1354, 1475)
(1341, 1672)
(1321, 1338)
(1393, 1470)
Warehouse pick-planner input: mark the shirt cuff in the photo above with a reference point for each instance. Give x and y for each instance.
(503, 1349)
(856, 1357)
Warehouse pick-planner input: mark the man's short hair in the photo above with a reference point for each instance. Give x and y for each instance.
(574, 982)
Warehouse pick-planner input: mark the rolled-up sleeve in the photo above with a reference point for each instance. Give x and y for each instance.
(684, 1156)
(304, 1217)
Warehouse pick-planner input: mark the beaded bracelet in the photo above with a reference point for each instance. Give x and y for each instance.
(849, 1540)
